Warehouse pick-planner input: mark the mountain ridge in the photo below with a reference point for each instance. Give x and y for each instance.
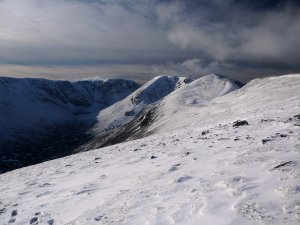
(232, 159)
(62, 117)
(37, 113)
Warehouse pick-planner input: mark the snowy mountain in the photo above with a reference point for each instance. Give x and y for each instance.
(28, 103)
(39, 116)
(126, 110)
(226, 156)
(130, 118)
(262, 96)
(46, 119)
(197, 94)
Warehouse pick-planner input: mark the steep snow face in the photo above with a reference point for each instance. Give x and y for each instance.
(30, 103)
(258, 94)
(157, 88)
(199, 92)
(158, 99)
(43, 119)
(203, 170)
(202, 90)
(124, 111)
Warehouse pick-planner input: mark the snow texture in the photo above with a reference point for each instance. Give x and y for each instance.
(126, 110)
(197, 168)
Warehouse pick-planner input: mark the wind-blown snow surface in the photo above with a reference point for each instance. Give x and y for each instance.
(201, 171)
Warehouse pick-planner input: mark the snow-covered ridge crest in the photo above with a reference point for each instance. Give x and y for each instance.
(32, 100)
(157, 88)
(198, 93)
(262, 93)
(151, 92)
(82, 115)
(202, 90)
(157, 102)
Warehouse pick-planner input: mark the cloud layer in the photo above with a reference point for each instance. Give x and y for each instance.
(192, 37)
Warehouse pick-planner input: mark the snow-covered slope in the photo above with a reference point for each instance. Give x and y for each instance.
(154, 102)
(30, 103)
(126, 110)
(42, 119)
(197, 169)
(262, 96)
(198, 93)
(201, 91)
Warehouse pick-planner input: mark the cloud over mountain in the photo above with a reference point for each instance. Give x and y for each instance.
(235, 37)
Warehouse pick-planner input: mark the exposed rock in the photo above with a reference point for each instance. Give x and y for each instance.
(240, 123)
(264, 141)
(283, 164)
(205, 132)
(297, 117)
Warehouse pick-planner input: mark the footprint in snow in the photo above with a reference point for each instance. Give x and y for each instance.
(51, 222)
(23, 193)
(31, 183)
(2, 210)
(34, 220)
(12, 220)
(13, 215)
(103, 176)
(44, 185)
(183, 179)
(98, 218)
(174, 167)
(42, 194)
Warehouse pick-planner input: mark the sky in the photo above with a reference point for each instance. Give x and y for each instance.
(139, 39)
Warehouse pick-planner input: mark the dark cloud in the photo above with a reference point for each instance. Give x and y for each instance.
(265, 5)
(126, 38)
(237, 34)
